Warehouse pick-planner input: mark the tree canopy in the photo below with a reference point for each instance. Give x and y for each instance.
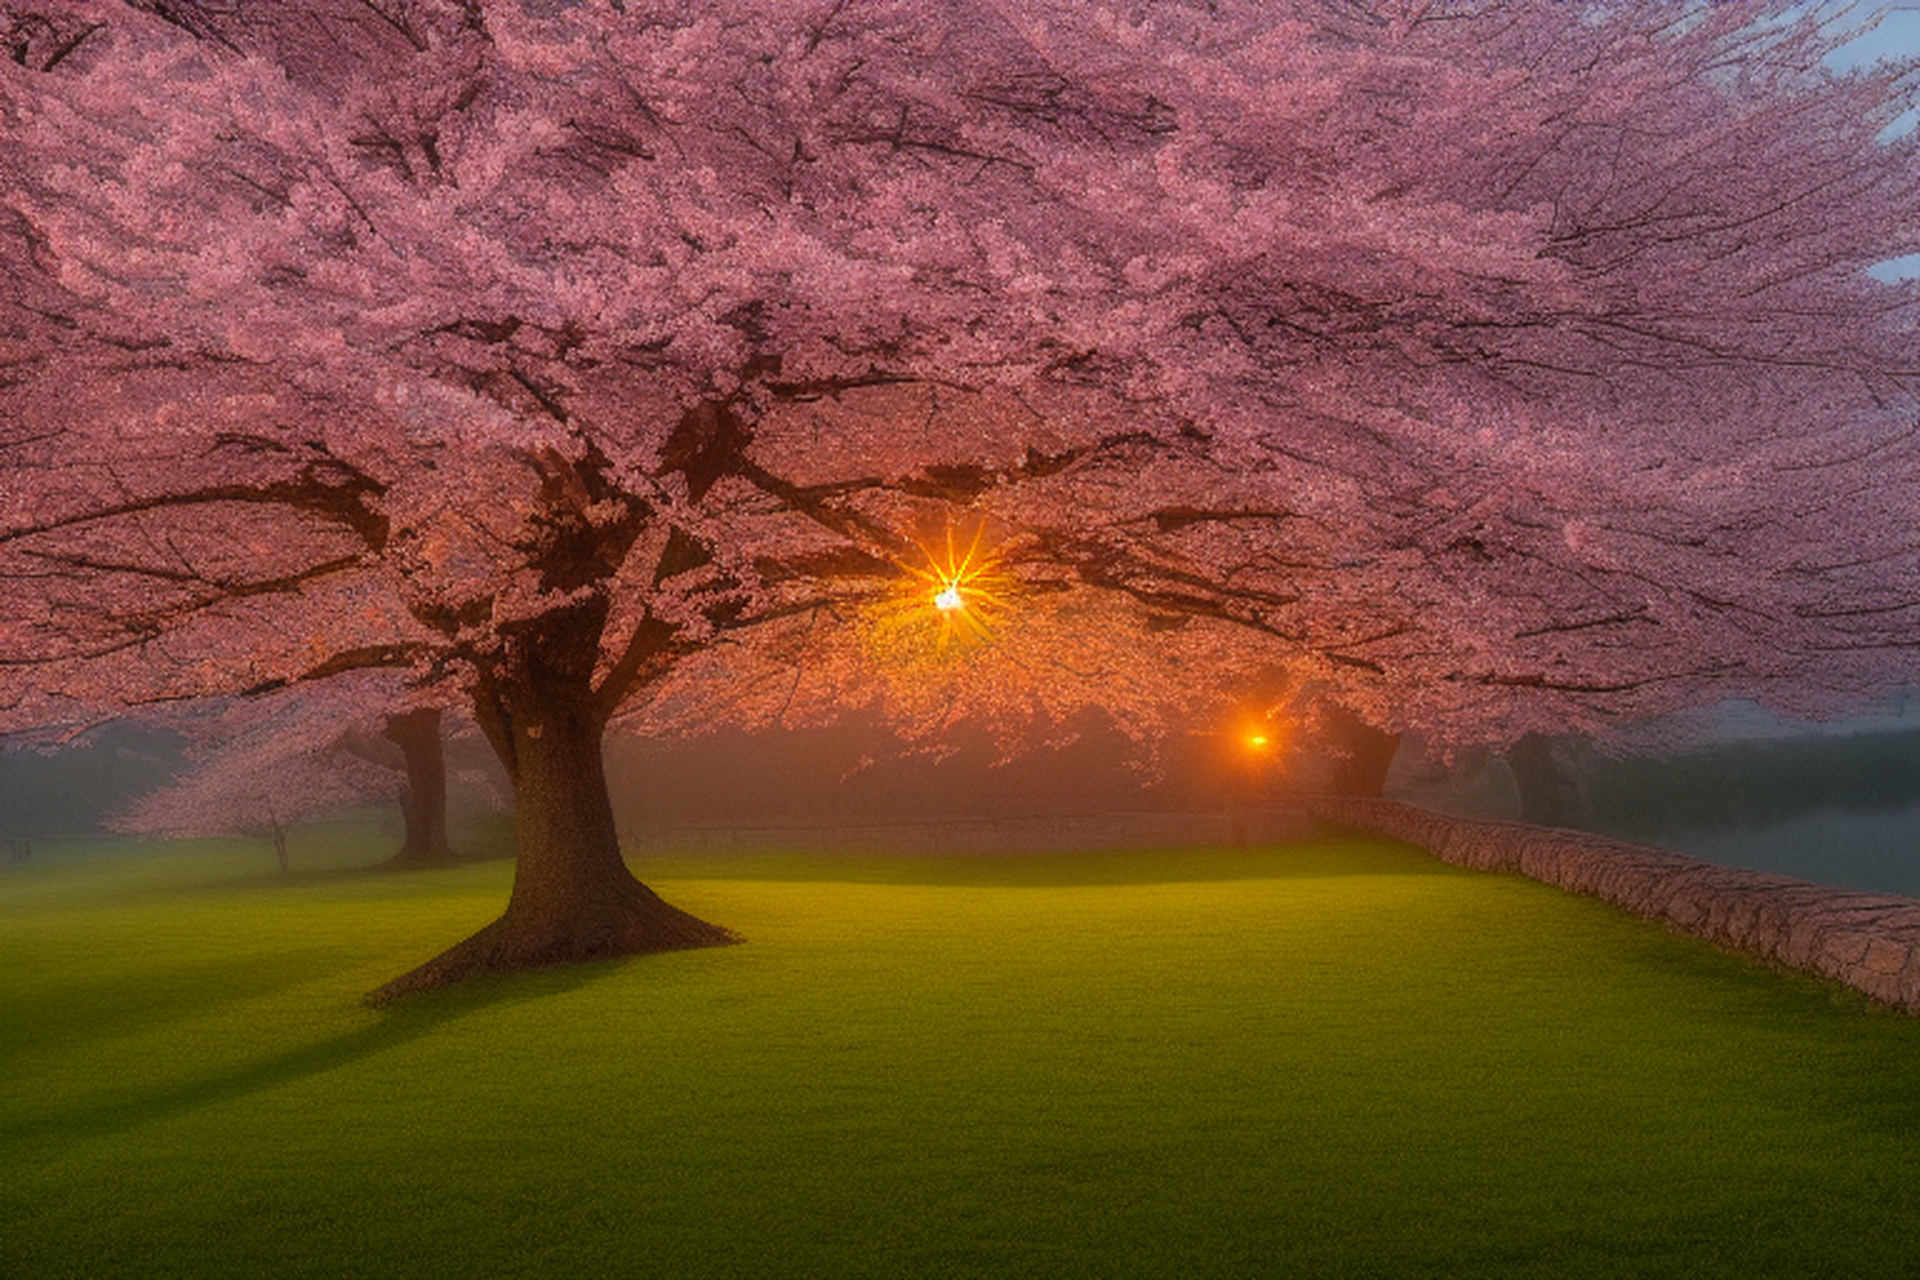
(1506, 370)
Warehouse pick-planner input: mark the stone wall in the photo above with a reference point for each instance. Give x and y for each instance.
(1870, 941)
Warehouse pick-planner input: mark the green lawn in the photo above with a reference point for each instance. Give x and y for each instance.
(1337, 1059)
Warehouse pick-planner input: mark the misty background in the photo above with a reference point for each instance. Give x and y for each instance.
(1838, 805)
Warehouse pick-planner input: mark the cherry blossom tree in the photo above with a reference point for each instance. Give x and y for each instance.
(1483, 368)
(259, 768)
(261, 765)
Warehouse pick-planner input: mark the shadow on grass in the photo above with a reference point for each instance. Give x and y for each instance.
(75, 1013)
(373, 870)
(395, 1025)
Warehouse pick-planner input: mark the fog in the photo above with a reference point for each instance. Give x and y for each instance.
(1838, 807)
(858, 772)
(1851, 848)
(71, 791)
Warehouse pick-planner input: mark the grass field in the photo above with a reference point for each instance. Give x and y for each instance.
(1333, 1059)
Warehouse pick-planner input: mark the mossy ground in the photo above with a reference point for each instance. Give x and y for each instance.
(1340, 1058)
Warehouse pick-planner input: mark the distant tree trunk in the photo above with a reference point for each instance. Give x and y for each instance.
(1549, 794)
(423, 805)
(573, 897)
(410, 742)
(278, 831)
(1369, 752)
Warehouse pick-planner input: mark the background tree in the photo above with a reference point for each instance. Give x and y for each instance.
(259, 767)
(411, 742)
(262, 765)
(1485, 370)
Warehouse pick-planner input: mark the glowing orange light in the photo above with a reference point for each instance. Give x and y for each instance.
(961, 577)
(1258, 740)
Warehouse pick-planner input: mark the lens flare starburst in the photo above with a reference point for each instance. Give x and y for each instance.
(961, 576)
(953, 594)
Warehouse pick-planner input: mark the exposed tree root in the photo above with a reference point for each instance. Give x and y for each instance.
(638, 925)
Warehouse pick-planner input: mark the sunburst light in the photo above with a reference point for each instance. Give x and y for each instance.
(960, 574)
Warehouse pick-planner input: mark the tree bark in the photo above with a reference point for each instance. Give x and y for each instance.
(573, 897)
(277, 831)
(1367, 754)
(1549, 793)
(423, 805)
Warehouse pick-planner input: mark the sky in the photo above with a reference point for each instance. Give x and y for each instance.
(1896, 34)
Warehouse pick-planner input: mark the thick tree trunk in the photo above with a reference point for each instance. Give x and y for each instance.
(423, 805)
(1549, 793)
(1368, 754)
(573, 897)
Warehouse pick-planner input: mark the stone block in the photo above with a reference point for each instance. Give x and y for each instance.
(1884, 955)
(1846, 945)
